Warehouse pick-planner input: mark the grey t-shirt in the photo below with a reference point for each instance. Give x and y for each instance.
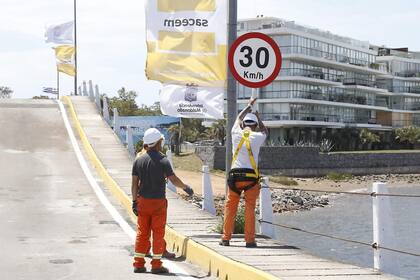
(152, 168)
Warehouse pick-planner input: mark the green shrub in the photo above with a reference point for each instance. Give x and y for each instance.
(239, 223)
(335, 176)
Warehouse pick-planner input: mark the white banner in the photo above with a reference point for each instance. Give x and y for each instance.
(60, 34)
(187, 41)
(192, 102)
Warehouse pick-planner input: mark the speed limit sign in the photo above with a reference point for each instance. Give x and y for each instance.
(255, 60)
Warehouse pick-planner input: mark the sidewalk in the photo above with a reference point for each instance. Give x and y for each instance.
(190, 232)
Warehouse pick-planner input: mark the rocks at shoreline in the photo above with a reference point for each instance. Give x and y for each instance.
(283, 201)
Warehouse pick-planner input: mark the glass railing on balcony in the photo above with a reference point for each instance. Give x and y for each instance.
(359, 82)
(332, 96)
(327, 55)
(312, 117)
(410, 74)
(412, 89)
(311, 73)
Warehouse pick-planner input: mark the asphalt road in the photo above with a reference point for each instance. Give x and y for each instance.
(52, 226)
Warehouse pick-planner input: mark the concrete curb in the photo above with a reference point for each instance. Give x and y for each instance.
(209, 260)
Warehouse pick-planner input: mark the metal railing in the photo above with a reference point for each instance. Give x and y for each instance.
(311, 73)
(359, 82)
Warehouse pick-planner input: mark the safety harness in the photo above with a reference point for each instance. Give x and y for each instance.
(244, 174)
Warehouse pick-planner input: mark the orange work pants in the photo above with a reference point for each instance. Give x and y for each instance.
(151, 220)
(231, 208)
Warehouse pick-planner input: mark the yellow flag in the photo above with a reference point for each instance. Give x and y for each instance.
(64, 53)
(66, 68)
(65, 59)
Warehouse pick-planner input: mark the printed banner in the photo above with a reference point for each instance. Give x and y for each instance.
(192, 102)
(187, 41)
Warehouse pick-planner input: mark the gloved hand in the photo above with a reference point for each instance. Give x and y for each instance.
(134, 207)
(188, 190)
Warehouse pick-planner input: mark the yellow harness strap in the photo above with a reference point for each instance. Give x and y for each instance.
(245, 139)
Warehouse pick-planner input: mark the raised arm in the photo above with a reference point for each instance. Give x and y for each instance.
(241, 116)
(261, 125)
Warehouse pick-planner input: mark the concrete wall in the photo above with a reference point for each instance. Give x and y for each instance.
(307, 162)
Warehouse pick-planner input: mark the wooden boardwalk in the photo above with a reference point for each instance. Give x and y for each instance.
(280, 260)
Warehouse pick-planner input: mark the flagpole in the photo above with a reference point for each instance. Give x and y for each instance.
(58, 84)
(75, 48)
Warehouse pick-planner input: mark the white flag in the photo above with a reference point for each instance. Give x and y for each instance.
(60, 34)
(192, 101)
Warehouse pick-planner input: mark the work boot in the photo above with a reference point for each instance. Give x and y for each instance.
(251, 245)
(224, 242)
(139, 270)
(168, 255)
(160, 270)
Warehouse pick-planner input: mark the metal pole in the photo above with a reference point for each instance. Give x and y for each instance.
(231, 85)
(58, 84)
(75, 48)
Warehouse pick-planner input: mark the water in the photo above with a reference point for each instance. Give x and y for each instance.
(350, 216)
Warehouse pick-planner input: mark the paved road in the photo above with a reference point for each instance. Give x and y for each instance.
(52, 226)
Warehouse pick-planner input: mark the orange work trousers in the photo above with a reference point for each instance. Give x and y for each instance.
(231, 208)
(151, 220)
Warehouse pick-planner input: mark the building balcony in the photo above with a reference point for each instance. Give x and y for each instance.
(313, 117)
(328, 55)
(408, 74)
(413, 89)
(311, 73)
(358, 82)
(331, 96)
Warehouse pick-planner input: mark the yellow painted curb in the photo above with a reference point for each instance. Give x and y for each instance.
(209, 260)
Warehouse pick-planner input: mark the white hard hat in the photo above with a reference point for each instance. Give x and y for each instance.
(151, 136)
(250, 118)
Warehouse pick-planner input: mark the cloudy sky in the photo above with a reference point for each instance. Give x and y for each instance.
(111, 36)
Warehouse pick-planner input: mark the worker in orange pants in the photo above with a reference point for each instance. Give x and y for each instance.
(231, 208)
(248, 135)
(151, 219)
(148, 188)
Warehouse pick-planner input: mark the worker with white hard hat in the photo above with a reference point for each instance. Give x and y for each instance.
(248, 135)
(149, 174)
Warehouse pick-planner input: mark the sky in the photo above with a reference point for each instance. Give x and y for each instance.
(111, 37)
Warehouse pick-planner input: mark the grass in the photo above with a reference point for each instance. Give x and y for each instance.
(335, 176)
(187, 161)
(283, 180)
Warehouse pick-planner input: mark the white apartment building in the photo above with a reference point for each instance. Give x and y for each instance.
(329, 82)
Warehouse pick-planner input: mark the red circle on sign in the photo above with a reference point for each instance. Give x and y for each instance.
(270, 41)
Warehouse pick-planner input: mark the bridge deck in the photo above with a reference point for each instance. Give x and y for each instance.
(285, 262)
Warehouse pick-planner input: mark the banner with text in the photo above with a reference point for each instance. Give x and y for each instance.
(187, 41)
(192, 101)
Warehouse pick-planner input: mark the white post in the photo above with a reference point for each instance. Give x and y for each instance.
(208, 200)
(254, 95)
(91, 93)
(116, 123)
(97, 98)
(383, 232)
(169, 185)
(266, 210)
(85, 93)
(130, 143)
(105, 110)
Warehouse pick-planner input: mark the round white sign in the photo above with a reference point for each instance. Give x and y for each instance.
(255, 60)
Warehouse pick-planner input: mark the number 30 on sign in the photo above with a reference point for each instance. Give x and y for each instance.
(255, 60)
